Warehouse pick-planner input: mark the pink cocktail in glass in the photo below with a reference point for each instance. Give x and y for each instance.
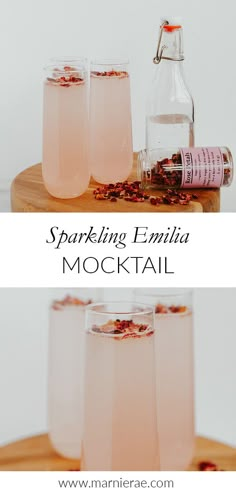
(111, 152)
(65, 129)
(174, 376)
(120, 425)
(66, 371)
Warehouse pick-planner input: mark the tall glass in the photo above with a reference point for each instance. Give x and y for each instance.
(65, 165)
(174, 372)
(65, 374)
(111, 152)
(120, 425)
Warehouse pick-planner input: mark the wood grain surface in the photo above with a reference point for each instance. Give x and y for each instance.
(28, 194)
(36, 453)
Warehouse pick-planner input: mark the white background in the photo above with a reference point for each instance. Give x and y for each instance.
(23, 360)
(33, 31)
(208, 259)
(184, 483)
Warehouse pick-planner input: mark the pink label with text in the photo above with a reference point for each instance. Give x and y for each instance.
(202, 167)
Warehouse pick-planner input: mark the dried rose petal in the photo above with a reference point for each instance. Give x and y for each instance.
(119, 74)
(69, 301)
(123, 329)
(159, 308)
(72, 77)
(132, 192)
(207, 466)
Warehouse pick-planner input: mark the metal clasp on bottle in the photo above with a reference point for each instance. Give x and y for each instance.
(159, 55)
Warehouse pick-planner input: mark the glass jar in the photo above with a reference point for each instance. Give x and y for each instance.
(65, 165)
(120, 424)
(206, 167)
(65, 370)
(174, 374)
(110, 142)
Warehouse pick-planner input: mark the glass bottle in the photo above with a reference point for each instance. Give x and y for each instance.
(170, 109)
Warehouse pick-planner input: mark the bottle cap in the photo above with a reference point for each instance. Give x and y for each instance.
(173, 23)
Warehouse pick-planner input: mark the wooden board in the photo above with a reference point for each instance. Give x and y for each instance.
(28, 194)
(36, 453)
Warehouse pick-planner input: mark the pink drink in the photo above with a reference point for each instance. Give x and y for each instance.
(120, 426)
(66, 365)
(175, 389)
(174, 375)
(111, 152)
(65, 132)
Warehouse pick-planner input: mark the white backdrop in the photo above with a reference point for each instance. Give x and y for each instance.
(33, 31)
(23, 361)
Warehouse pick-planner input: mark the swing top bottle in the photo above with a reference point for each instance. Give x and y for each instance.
(170, 109)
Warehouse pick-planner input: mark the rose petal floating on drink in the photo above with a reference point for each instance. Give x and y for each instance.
(70, 77)
(159, 308)
(69, 301)
(113, 73)
(122, 329)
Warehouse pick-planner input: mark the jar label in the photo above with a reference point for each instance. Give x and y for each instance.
(202, 167)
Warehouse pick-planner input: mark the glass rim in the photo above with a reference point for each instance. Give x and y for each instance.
(146, 309)
(63, 308)
(116, 61)
(162, 294)
(63, 61)
(174, 315)
(159, 150)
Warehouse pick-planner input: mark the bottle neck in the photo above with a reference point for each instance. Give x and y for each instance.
(171, 55)
(169, 76)
(170, 44)
(173, 66)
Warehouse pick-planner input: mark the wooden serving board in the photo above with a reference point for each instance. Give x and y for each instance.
(36, 453)
(28, 194)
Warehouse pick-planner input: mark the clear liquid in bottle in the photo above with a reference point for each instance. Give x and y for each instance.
(161, 129)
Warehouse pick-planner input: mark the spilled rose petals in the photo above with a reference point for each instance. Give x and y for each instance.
(132, 192)
(207, 466)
